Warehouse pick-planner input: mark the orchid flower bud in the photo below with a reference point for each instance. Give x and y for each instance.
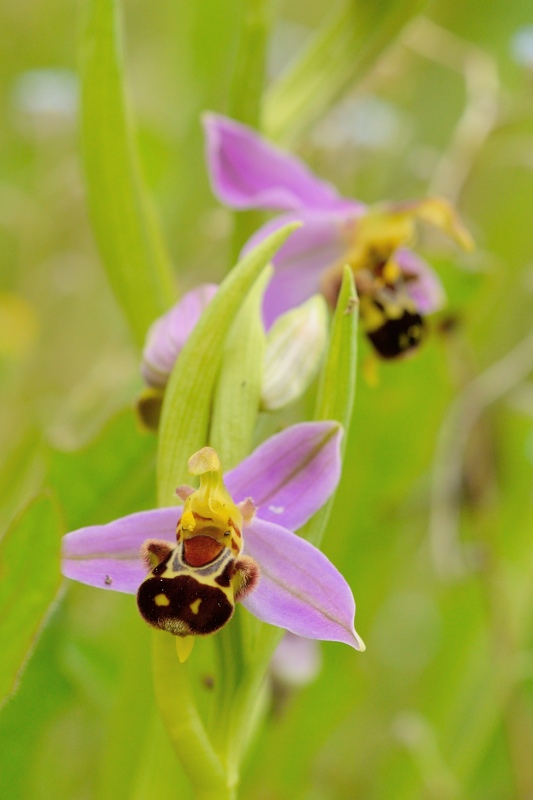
(294, 348)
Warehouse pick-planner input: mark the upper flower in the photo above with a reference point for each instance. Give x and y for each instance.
(217, 550)
(396, 287)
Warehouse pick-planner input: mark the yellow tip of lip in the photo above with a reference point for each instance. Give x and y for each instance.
(184, 645)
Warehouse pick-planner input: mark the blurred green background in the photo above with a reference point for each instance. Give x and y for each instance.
(433, 522)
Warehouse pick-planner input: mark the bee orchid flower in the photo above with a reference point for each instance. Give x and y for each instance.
(396, 287)
(231, 541)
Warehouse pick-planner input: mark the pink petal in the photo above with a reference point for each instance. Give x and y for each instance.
(299, 264)
(291, 475)
(248, 172)
(423, 284)
(169, 333)
(107, 556)
(299, 588)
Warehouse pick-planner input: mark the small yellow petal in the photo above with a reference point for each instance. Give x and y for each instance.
(184, 645)
(441, 214)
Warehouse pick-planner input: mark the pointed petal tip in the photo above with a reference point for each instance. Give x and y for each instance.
(184, 645)
(300, 589)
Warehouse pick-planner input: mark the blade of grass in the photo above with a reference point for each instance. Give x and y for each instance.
(339, 55)
(336, 392)
(30, 580)
(122, 214)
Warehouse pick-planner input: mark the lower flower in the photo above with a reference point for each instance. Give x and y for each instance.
(231, 541)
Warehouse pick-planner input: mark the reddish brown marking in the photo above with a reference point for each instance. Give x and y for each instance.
(235, 528)
(200, 550)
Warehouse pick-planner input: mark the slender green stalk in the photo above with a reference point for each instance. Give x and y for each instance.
(249, 74)
(246, 92)
(182, 721)
(248, 700)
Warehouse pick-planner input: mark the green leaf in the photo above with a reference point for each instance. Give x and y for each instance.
(336, 392)
(238, 390)
(339, 55)
(249, 70)
(187, 405)
(122, 214)
(30, 579)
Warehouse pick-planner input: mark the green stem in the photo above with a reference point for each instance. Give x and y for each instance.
(246, 93)
(249, 76)
(122, 212)
(246, 706)
(186, 731)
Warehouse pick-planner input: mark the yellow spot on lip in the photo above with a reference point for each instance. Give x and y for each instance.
(195, 605)
(161, 600)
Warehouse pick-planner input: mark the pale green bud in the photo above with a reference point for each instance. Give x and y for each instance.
(294, 348)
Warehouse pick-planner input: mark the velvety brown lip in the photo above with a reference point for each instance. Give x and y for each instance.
(200, 550)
